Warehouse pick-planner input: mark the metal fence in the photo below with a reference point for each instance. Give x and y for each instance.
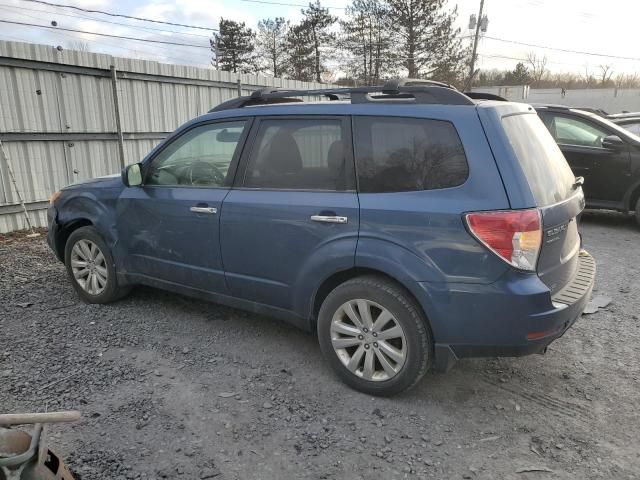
(611, 100)
(66, 116)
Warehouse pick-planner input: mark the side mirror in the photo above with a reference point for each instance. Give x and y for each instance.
(613, 142)
(132, 175)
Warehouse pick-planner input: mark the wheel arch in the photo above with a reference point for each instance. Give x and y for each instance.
(65, 232)
(81, 210)
(632, 197)
(337, 278)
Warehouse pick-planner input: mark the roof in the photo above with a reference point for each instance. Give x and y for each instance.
(623, 115)
(623, 120)
(550, 106)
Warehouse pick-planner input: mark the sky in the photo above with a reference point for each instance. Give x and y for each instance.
(591, 26)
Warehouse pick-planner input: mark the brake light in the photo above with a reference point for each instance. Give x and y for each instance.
(513, 235)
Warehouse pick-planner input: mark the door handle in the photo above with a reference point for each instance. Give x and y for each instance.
(328, 219)
(211, 210)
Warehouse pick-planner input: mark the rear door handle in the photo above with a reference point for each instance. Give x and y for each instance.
(210, 210)
(328, 219)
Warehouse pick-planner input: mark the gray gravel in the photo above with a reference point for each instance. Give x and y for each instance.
(170, 387)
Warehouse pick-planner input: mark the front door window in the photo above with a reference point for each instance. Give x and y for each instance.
(199, 158)
(571, 131)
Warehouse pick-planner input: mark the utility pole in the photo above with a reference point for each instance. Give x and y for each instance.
(475, 44)
(217, 53)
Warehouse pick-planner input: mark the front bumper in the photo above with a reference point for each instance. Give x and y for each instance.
(513, 317)
(54, 229)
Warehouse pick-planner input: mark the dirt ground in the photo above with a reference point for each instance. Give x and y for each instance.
(172, 388)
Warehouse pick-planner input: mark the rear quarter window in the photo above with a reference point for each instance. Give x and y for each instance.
(395, 154)
(632, 127)
(548, 174)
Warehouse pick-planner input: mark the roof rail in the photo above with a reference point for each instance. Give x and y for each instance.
(401, 91)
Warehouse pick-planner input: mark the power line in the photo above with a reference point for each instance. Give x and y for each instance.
(504, 40)
(61, 5)
(148, 53)
(506, 57)
(165, 42)
(121, 37)
(86, 17)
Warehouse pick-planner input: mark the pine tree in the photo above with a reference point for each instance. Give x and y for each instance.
(271, 44)
(365, 34)
(317, 21)
(299, 62)
(427, 43)
(519, 76)
(233, 47)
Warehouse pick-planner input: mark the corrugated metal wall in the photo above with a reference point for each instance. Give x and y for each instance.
(611, 100)
(58, 123)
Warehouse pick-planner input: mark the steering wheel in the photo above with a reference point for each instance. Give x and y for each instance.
(204, 173)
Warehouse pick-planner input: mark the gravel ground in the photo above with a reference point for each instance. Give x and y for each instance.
(170, 387)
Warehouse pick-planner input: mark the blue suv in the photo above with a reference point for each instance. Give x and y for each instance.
(408, 224)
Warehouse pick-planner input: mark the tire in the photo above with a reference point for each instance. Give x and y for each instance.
(342, 341)
(638, 212)
(83, 248)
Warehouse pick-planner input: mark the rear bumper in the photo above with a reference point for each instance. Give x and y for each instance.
(513, 317)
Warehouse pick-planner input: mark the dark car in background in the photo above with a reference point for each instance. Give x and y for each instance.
(409, 226)
(605, 154)
(629, 121)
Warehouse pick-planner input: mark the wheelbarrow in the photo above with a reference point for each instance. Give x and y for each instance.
(25, 456)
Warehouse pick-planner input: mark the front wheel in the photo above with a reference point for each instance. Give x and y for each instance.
(91, 268)
(374, 336)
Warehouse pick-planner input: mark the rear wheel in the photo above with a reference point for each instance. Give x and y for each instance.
(91, 268)
(374, 336)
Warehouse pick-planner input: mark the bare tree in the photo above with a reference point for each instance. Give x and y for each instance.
(605, 73)
(538, 67)
(588, 78)
(79, 46)
(627, 80)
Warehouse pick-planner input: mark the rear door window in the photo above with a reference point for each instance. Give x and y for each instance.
(300, 154)
(548, 173)
(395, 154)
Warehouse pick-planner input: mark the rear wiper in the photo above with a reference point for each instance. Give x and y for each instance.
(578, 183)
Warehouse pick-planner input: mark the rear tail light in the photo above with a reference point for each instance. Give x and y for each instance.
(513, 235)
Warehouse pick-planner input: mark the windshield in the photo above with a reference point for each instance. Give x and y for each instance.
(546, 169)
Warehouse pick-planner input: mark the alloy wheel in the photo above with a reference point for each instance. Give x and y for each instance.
(368, 340)
(89, 267)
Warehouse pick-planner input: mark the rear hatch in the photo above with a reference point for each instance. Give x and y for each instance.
(554, 191)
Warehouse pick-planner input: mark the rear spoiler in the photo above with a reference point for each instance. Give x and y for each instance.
(485, 96)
